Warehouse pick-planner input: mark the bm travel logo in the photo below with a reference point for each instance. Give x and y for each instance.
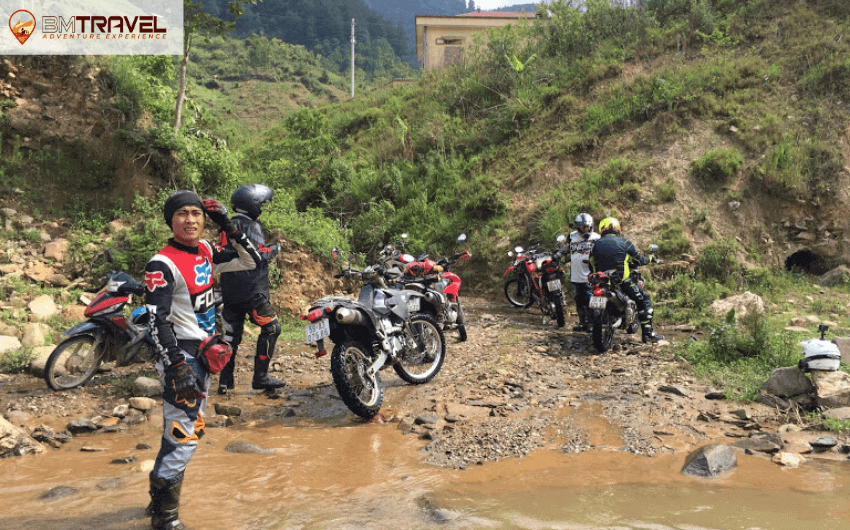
(75, 27)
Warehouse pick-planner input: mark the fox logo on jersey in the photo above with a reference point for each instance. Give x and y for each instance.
(203, 273)
(154, 279)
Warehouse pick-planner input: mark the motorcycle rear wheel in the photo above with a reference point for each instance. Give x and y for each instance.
(361, 394)
(73, 362)
(420, 365)
(517, 292)
(558, 300)
(603, 330)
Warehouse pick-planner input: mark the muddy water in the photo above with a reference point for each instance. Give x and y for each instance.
(357, 475)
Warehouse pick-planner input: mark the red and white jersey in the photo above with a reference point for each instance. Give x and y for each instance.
(180, 297)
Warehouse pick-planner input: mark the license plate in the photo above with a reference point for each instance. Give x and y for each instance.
(598, 302)
(554, 285)
(413, 304)
(318, 331)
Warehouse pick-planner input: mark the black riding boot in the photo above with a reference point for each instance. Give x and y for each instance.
(165, 500)
(226, 379)
(647, 335)
(582, 320)
(262, 380)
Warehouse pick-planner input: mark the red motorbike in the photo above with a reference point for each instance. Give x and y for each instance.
(108, 335)
(538, 277)
(440, 286)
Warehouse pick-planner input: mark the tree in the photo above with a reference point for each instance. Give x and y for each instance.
(197, 22)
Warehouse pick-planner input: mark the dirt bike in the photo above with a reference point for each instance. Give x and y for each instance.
(440, 286)
(541, 275)
(610, 308)
(518, 288)
(383, 327)
(108, 335)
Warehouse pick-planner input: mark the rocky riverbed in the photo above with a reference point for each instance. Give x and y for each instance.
(517, 384)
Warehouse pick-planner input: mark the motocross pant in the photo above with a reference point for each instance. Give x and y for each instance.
(642, 301)
(581, 295)
(183, 422)
(260, 313)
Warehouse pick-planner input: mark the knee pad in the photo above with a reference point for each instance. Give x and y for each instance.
(272, 329)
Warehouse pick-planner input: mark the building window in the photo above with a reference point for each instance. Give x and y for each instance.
(450, 41)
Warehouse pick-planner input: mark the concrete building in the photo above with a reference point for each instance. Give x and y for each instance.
(441, 40)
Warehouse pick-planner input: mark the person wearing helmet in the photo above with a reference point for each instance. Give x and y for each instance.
(180, 301)
(579, 245)
(612, 251)
(246, 293)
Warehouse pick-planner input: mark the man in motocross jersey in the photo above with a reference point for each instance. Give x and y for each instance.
(612, 251)
(181, 303)
(246, 293)
(579, 245)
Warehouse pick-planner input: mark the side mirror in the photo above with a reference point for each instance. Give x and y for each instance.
(461, 238)
(561, 238)
(653, 248)
(510, 253)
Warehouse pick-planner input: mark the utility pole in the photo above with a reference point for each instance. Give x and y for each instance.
(352, 58)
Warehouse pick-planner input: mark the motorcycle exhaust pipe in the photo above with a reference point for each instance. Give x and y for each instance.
(347, 316)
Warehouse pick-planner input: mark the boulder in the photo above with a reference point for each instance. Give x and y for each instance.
(788, 382)
(35, 334)
(15, 442)
(40, 355)
(43, 307)
(710, 461)
(147, 387)
(56, 250)
(9, 344)
(246, 448)
(788, 459)
(142, 403)
(833, 388)
(742, 304)
(843, 344)
(837, 276)
(842, 413)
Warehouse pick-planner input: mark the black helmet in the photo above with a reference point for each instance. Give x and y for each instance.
(249, 199)
(584, 224)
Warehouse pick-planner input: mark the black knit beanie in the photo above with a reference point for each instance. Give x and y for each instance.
(177, 200)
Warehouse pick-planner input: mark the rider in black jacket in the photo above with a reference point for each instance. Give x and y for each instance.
(612, 251)
(246, 293)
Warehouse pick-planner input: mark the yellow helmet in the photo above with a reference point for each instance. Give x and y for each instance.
(609, 224)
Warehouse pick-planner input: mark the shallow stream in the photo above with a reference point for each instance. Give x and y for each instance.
(366, 476)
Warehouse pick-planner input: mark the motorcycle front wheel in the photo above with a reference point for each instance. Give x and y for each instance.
(603, 330)
(360, 393)
(422, 359)
(73, 363)
(461, 323)
(517, 292)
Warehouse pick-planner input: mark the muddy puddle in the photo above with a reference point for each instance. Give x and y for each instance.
(369, 476)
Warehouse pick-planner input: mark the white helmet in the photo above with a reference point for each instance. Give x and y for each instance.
(584, 224)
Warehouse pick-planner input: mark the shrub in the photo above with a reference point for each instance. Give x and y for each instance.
(717, 261)
(719, 165)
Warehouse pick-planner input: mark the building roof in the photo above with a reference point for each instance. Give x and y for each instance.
(498, 14)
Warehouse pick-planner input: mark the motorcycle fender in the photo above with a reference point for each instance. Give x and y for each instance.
(454, 287)
(83, 328)
(510, 270)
